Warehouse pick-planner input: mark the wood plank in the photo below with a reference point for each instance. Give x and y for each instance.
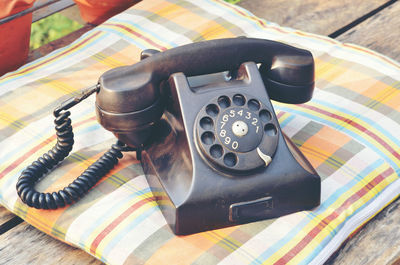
(8, 220)
(54, 45)
(50, 9)
(380, 32)
(5, 215)
(316, 16)
(25, 244)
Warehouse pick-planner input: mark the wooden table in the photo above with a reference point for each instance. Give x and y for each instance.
(371, 23)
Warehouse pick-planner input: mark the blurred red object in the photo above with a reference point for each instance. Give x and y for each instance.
(15, 35)
(96, 12)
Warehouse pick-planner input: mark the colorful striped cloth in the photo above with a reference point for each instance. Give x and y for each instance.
(350, 132)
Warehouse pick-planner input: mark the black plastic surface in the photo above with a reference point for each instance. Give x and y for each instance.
(202, 182)
(134, 88)
(129, 88)
(199, 195)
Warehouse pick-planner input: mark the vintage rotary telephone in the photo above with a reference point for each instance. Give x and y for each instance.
(209, 142)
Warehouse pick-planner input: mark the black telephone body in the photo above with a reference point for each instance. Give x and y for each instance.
(201, 120)
(217, 157)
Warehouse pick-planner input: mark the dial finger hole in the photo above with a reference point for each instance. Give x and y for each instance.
(270, 129)
(265, 115)
(230, 159)
(212, 110)
(206, 123)
(216, 151)
(224, 102)
(207, 138)
(253, 104)
(239, 100)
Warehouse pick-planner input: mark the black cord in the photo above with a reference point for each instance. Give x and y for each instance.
(65, 141)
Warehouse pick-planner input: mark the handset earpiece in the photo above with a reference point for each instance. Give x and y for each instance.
(131, 123)
(128, 102)
(289, 79)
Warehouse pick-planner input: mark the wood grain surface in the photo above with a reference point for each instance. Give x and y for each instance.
(5, 215)
(380, 32)
(25, 244)
(316, 16)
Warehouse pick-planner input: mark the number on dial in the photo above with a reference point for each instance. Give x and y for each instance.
(226, 121)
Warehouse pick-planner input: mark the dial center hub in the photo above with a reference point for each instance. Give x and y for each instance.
(240, 128)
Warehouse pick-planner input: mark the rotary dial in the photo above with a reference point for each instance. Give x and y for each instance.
(236, 132)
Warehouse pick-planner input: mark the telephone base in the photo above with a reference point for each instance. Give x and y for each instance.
(214, 167)
(296, 189)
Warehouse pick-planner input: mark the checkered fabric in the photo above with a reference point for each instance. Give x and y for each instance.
(350, 132)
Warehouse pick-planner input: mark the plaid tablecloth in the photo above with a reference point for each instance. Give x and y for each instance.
(350, 132)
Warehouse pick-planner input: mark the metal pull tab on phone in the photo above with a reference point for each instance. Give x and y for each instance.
(266, 158)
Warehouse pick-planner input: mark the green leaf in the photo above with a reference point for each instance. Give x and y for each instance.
(51, 28)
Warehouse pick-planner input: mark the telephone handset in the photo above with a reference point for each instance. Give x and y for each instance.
(199, 117)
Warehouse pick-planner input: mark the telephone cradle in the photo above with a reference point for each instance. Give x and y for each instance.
(200, 118)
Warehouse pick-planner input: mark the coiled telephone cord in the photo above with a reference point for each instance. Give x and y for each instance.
(65, 140)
